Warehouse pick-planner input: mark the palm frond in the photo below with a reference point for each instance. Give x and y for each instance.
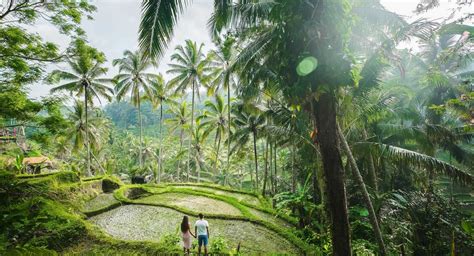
(416, 159)
(158, 21)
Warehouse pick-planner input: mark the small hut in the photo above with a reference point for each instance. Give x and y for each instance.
(33, 165)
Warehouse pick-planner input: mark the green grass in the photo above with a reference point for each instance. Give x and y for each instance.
(152, 212)
(100, 203)
(194, 203)
(149, 223)
(270, 218)
(63, 177)
(247, 215)
(250, 199)
(259, 209)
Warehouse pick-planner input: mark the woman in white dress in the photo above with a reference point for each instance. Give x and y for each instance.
(186, 234)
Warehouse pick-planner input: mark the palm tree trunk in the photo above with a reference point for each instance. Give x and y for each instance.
(293, 173)
(140, 157)
(275, 175)
(251, 175)
(161, 142)
(270, 165)
(192, 130)
(255, 158)
(180, 149)
(266, 169)
(365, 193)
(372, 173)
(228, 131)
(325, 115)
(198, 169)
(88, 145)
(217, 154)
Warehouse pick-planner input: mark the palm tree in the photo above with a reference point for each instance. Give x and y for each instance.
(133, 78)
(248, 121)
(162, 94)
(96, 128)
(179, 120)
(198, 146)
(222, 61)
(214, 120)
(84, 79)
(190, 68)
(277, 42)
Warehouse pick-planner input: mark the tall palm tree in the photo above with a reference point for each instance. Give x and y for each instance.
(190, 68)
(214, 119)
(97, 128)
(198, 146)
(162, 94)
(249, 121)
(222, 61)
(179, 120)
(84, 79)
(278, 42)
(133, 78)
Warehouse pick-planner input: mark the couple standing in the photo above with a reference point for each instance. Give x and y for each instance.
(201, 229)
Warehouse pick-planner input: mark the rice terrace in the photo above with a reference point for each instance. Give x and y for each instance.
(237, 127)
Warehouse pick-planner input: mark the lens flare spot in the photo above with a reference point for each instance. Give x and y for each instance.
(306, 66)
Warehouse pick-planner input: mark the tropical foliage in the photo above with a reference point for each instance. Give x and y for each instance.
(352, 120)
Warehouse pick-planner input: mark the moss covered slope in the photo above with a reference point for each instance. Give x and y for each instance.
(100, 215)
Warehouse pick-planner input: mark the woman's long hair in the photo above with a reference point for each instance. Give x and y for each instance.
(185, 224)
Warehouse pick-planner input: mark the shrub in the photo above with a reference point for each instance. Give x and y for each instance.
(40, 222)
(218, 245)
(170, 241)
(67, 176)
(363, 248)
(27, 218)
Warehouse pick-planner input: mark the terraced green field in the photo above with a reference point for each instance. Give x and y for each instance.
(194, 203)
(150, 223)
(99, 202)
(234, 216)
(239, 196)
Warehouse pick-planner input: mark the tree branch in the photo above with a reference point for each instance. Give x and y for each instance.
(9, 9)
(56, 59)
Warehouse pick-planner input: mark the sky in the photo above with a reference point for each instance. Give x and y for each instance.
(114, 29)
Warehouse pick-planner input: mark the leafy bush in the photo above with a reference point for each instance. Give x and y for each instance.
(170, 241)
(425, 224)
(363, 248)
(29, 218)
(40, 222)
(28, 250)
(218, 245)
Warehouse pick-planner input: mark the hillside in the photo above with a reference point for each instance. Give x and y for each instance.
(107, 216)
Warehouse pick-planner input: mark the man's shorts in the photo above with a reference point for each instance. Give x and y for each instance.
(203, 240)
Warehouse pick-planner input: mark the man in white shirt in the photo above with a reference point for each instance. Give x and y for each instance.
(201, 229)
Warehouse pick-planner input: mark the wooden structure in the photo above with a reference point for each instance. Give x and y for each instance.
(33, 165)
(14, 133)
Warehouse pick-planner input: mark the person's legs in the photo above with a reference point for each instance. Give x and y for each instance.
(205, 242)
(200, 242)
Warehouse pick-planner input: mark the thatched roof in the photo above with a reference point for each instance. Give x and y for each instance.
(37, 160)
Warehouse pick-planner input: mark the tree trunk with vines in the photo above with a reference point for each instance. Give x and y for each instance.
(365, 193)
(325, 114)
